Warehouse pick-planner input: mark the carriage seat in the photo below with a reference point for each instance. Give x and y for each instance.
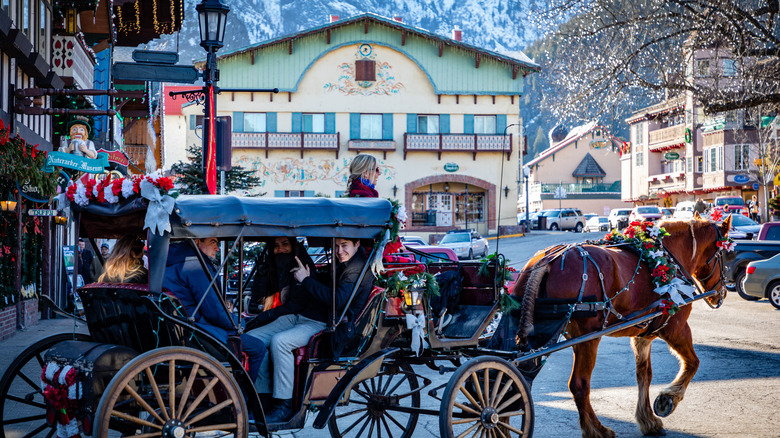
(363, 327)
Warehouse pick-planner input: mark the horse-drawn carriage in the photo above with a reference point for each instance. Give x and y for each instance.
(146, 369)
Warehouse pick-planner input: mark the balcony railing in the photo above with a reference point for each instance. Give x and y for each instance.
(671, 180)
(582, 187)
(458, 143)
(383, 146)
(71, 59)
(302, 141)
(667, 138)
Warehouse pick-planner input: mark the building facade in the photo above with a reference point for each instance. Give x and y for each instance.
(679, 153)
(581, 170)
(440, 116)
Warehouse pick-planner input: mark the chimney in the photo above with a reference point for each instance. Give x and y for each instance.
(334, 18)
(398, 19)
(457, 34)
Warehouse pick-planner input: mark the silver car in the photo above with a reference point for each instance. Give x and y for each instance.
(466, 244)
(763, 280)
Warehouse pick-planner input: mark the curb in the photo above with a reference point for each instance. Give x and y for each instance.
(505, 236)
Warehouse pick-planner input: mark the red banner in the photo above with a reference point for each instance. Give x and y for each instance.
(210, 173)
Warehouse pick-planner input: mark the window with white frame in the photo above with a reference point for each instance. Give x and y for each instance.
(254, 122)
(371, 126)
(729, 67)
(702, 68)
(638, 153)
(314, 123)
(720, 157)
(711, 156)
(741, 157)
(484, 124)
(689, 164)
(427, 124)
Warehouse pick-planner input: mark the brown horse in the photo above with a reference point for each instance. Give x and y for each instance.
(557, 273)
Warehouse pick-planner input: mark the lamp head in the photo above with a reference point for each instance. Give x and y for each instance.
(212, 20)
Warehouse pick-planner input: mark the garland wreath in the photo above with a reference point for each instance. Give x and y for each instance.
(110, 191)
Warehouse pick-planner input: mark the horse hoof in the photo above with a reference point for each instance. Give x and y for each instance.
(664, 405)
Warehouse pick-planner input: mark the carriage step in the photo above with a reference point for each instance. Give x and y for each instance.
(444, 370)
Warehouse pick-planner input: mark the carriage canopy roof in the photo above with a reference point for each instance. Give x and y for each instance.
(226, 217)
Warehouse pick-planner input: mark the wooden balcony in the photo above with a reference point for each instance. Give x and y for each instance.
(458, 143)
(301, 141)
(667, 181)
(72, 61)
(667, 138)
(383, 146)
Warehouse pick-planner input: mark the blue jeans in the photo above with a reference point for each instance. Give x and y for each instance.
(255, 349)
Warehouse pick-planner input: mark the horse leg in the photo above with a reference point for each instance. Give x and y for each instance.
(681, 344)
(649, 424)
(579, 385)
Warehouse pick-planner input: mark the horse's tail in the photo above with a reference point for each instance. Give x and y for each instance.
(527, 288)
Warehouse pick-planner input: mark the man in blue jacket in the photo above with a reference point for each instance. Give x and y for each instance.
(186, 279)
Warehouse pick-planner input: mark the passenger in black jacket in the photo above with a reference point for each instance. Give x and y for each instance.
(291, 325)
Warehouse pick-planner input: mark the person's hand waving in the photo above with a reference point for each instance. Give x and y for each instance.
(301, 272)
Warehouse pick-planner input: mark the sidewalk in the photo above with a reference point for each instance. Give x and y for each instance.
(13, 346)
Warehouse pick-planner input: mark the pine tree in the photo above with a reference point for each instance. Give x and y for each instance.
(189, 176)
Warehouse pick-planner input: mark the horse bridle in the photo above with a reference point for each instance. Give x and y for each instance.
(718, 254)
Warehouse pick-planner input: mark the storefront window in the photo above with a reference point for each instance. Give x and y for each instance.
(469, 208)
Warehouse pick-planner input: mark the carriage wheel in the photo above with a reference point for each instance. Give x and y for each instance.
(172, 392)
(486, 397)
(373, 409)
(21, 400)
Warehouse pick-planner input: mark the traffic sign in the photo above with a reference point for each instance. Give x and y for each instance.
(155, 56)
(559, 193)
(755, 186)
(130, 71)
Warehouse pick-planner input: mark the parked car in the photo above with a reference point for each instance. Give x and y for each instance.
(762, 279)
(433, 254)
(535, 222)
(597, 223)
(745, 252)
(684, 210)
(466, 244)
(618, 218)
(645, 213)
(565, 219)
(412, 240)
(730, 204)
(667, 212)
(588, 216)
(744, 225)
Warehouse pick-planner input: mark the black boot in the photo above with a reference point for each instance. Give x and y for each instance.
(281, 411)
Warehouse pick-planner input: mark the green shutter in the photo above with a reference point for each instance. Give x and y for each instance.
(354, 126)
(279, 193)
(444, 123)
(330, 123)
(238, 121)
(411, 123)
(387, 126)
(308, 193)
(468, 123)
(193, 121)
(296, 122)
(270, 122)
(500, 123)
(307, 123)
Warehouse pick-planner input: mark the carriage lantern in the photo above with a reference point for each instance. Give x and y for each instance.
(412, 299)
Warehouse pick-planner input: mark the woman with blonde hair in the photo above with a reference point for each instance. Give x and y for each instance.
(363, 173)
(125, 264)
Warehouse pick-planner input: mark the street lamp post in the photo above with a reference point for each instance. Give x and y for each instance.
(212, 17)
(526, 174)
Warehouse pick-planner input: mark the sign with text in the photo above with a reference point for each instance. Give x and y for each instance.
(560, 193)
(41, 212)
(31, 191)
(671, 155)
(70, 161)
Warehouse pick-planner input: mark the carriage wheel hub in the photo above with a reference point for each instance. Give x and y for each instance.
(489, 417)
(173, 429)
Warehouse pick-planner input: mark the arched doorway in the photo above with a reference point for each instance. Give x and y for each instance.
(442, 202)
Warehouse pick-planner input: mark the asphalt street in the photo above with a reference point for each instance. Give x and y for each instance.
(736, 392)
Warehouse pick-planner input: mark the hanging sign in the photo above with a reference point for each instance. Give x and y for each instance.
(70, 161)
(451, 167)
(117, 157)
(688, 136)
(741, 179)
(41, 212)
(62, 181)
(671, 155)
(31, 192)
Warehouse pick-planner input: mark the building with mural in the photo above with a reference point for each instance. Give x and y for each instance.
(440, 115)
(583, 165)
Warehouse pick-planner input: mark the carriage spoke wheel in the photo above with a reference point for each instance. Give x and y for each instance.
(22, 405)
(172, 392)
(375, 406)
(486, 397)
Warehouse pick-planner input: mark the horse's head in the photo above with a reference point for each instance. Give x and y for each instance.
(694, 243)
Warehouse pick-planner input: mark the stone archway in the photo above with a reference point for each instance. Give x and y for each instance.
(489, 188)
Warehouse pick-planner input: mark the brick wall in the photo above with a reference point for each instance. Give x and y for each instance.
(7, 322)
(30, 312)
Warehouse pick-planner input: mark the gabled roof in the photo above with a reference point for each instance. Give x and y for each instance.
(515, 59)
(588, 167)
(574, 135)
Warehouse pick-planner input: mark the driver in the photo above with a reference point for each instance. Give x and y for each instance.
(292, 325)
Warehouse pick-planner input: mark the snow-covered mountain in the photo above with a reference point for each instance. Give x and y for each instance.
(491, 24)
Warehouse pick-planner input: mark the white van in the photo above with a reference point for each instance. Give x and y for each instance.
(684, 210)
